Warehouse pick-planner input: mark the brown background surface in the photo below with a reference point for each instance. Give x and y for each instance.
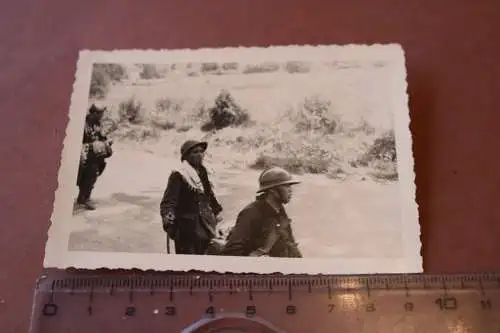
(452, 50)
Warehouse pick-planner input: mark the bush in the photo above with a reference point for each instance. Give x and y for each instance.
(230, 66)
(261, 68)
(226, 113)
(150, 71)
(299, 155)
(103, 75)
(131, 111)
(135, 132)
(167, 104)
(382, 149)
(381, 158)
(297, 67)
(315, 115)
(292, 164)
(166, 114)
(209, 67)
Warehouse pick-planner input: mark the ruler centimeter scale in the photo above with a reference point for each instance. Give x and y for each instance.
(457, 303)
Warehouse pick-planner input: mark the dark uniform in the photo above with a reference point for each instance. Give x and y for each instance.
(261, 229)
(193, 213)
(95, 149)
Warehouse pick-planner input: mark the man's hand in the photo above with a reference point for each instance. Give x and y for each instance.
(168, 223)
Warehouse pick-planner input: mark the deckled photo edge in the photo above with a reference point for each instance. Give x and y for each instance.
(244, 265)
(57, 254)
(58, 231)
(404, 145)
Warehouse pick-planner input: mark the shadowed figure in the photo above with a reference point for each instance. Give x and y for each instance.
(189, 207)
(96, 148)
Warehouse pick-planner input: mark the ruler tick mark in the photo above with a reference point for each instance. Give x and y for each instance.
(52, 292)
(289, 290)
(250, 293)
(91, 295)
(445, 289)
(481, 287)
(210, 295)
(171, 293)
(131, 296)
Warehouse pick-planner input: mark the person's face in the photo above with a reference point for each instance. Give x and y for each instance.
(97, 116)
(196, 155)
(284, 193)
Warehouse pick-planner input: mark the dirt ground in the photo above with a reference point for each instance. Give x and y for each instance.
(331, 218)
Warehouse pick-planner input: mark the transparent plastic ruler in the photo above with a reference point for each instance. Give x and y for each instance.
(252, 303)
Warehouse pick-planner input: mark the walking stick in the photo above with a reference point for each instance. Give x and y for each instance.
(168, 244)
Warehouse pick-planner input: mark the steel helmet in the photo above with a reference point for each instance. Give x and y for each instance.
(273, 177)
(190, 144)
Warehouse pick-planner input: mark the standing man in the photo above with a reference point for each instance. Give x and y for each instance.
(189, 208)
(96, 148)
(263, 227)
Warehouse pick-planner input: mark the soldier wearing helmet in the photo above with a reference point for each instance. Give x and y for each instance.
(189, 207)
(96, 148)
(263, 228)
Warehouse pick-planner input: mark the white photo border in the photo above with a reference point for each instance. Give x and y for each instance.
(57, 254)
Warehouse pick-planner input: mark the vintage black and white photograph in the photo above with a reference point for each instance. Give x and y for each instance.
(292, 159)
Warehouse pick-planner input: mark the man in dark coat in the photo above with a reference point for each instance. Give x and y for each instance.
(263, 228)
(96, 148)
(189, 207)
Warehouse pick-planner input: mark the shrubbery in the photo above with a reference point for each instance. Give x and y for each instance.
(225, 113)
(309, 138)
(381, 157)
(297, 67)
(316, 115)
(131, 111)
(319, 142)
(103, 75)
(267, 67)
(383, 149)
(169, 113)
(307, 158)
(151, 71)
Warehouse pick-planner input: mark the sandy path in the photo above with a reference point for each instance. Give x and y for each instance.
(331, 218)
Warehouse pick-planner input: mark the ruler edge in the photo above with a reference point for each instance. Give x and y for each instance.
(132, 281)
(46, 283)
